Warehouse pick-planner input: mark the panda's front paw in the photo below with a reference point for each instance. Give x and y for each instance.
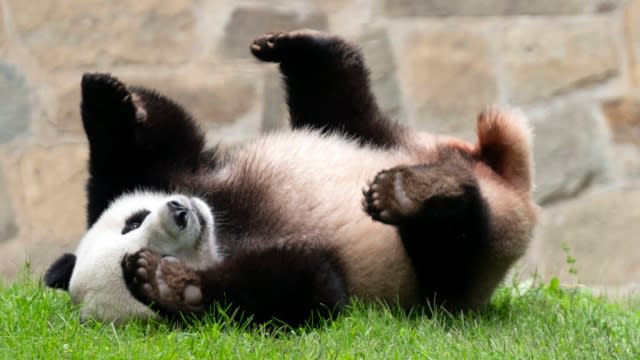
(108, 106)
(278, 46)
(103, 91)
(164, 283)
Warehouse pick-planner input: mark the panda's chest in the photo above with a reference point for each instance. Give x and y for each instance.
(305, 176)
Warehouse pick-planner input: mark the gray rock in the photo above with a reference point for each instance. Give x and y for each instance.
(632, 26)
(274, 111)
(377, 51)
(601, 231)
(15, 103)
(448, 76)
(571, 150)
(246, 23)
(68, 33)
(545, 58)
(623, 116)
(215, 100)
(497, 7)
(49, 182)
(8, 226)
(67, 118)
(627, 157)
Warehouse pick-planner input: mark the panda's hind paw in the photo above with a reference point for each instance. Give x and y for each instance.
(277, 46)
(164, 283)
(385, 199)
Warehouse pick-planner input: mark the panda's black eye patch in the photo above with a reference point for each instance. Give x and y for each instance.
(134, 221)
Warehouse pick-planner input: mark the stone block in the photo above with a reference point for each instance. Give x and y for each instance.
(571, 150)
(48, 184)
(8, 225)
(214, 100)
(627, 161)
(542, 59)
(275, 113)
(67, 118)
(601, 232)
(623, 116)
(448, 77)
(246, 23)
(3, 35)
(378, 53)
(497, 7)
(632, 29)
(15, 103)
(69, 33)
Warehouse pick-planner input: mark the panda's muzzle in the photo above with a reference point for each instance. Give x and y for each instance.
(179, 213)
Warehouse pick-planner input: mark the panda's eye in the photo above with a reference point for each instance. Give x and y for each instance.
(134, 221)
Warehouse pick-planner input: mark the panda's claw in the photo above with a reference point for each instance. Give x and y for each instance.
(103, 91)
(264, 48)
(142, 274)
(276, 46)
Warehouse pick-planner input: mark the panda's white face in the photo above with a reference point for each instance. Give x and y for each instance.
(174, 225)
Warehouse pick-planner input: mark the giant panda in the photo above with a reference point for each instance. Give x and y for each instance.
(291, 225)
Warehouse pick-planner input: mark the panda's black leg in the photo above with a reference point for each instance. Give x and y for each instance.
(327, 85)
(137, 139)
(291, 285)
(441, 217)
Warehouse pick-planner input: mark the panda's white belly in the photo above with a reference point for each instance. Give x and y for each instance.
(317, 182)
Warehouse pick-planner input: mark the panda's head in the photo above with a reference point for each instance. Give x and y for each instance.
(169, 224)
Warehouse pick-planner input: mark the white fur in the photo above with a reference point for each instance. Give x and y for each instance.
(97, 282)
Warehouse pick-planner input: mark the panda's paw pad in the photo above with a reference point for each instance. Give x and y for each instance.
(138, 270)
(385, 199)
(164, 282)
(177, 284)
(275, 46)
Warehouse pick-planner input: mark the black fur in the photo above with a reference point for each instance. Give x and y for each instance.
(59, 273)
(327, 85)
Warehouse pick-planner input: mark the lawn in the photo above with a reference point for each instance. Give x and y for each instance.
(543, 322)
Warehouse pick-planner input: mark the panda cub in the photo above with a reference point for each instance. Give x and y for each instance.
(292, 224)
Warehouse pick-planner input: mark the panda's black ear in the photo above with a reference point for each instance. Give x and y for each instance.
(59, 273)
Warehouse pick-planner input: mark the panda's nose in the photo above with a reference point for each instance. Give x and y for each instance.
(178, 213)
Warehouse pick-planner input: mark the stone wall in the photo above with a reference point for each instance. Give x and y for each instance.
(573, 66)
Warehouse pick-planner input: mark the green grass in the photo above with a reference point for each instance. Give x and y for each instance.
(544, 322)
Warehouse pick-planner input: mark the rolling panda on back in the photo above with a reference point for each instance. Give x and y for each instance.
(276, 226)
